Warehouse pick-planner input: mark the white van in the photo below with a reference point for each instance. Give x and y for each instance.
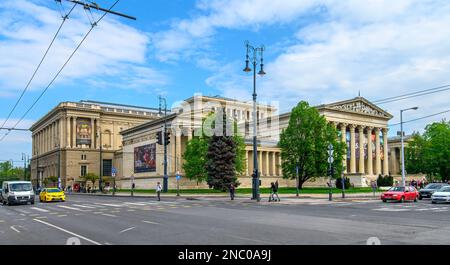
(14, 192)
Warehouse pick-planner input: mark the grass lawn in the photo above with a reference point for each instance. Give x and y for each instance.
(262, 191)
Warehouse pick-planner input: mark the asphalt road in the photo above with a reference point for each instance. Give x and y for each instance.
(120, 221)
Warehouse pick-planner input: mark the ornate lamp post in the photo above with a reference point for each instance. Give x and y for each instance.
(255, 54)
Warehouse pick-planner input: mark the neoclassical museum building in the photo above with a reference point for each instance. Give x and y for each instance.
(77, 138)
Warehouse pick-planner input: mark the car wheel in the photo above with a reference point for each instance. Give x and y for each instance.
(433, 202)
(402, 200)
(415, 199)
(420, 197)
(32, 202)
(384, 201)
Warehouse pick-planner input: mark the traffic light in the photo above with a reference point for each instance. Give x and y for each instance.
(330, 171)
(159, 138)
(167, 138)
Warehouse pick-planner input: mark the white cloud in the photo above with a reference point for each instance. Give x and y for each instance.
(379, 47)
(112, 48)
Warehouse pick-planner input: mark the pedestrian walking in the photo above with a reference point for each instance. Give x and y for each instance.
(232, 191)
(158, 191)
(374, 187)
(273, 192)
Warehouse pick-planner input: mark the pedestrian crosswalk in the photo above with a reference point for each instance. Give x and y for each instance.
(419, 208)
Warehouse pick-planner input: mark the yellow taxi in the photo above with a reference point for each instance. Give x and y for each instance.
(52, 194)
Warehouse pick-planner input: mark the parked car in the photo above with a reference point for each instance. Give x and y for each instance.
(400, 194)
(442, 195)
(52, 194)
(429, 189)
(16, 192)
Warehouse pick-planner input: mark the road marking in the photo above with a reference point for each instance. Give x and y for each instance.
(128, 229)
(62, 215)
(390, 210)
(131, 210)
(2, 221)
(40, 209)
(70, 208)
(136, 203)
(108, 204)
(14, 229)
(149, 222)
(41, 217)
(84, 206)
(22, 211)
(110, 215)
(67, 231)
(97, 212)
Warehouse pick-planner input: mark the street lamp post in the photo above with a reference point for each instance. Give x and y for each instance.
(258, 54)
(164, 139)
(403, 147)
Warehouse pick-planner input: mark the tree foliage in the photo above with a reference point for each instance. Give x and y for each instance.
(10, 173)
(196, 153)
(304, 143)
(430, 153)
(90, 177)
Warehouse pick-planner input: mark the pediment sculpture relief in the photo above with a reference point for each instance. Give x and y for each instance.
(359, 107)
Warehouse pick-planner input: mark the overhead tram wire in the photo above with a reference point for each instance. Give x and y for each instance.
(428, 116)
(64, 17)
(413, 94)
(59, 72)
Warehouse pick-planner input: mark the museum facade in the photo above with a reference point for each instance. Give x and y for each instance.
(77, 138)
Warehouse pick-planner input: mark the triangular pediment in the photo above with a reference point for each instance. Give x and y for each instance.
(359, 105)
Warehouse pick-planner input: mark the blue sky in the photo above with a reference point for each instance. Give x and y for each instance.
(320, 51)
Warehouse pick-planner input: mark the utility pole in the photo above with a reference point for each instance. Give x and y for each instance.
(257, 54)
(403, 147)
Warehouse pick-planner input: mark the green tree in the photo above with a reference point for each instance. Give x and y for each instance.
(195, 155)
(430, 153)
(52, 180)
(9, 173)
(304, 143)
(221, 157)
(90, 177)
(414, 155)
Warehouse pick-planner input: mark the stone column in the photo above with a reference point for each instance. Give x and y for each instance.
(279, 163)
(260, 160)
(74, 132)
(274, 164)
(247, 169)
(267, 164)
(361, 150)
(178, 150)
(352, 149)
(61, 132)
(385, 152)
(92, 133)
(68, 144)
(377, 151)
(344, 140)
(189, 136)
(172, 153)
(393, 164)
(369, 151)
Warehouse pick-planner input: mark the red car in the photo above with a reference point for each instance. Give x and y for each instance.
(400, 194)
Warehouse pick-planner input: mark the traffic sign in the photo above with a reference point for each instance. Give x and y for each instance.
(330, 159)
(178, 177)
(113, 170)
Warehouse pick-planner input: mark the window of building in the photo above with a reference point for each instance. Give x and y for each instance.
(84, 157)
(83, 171)
(107, 167)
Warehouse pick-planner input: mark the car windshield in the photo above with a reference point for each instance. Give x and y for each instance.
(397, 189)
(433, 186)
(53, 190)
(20, 187)
(445, 189)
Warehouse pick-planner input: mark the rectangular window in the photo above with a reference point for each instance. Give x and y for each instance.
(107, 168)
(83, 170)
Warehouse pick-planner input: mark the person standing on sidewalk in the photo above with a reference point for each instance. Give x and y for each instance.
(158, 190)
(232, 191)
(374, 187)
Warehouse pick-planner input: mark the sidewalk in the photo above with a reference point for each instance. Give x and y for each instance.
(209, 197)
